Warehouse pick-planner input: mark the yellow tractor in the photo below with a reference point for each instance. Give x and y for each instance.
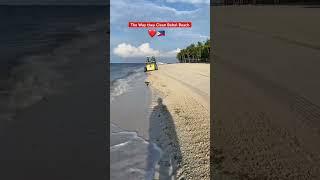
(151, 64)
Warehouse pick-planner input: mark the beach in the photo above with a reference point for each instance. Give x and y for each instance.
(160, 130)
(266, 92)
(53, 116)
(180, 120)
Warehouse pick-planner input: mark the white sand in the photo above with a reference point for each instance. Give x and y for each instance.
(266, 92)
(183, 118)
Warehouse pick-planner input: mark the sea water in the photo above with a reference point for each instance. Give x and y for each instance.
(35, 42)
(30, 38)
(131, 156)
(33, 30)
(122, 77)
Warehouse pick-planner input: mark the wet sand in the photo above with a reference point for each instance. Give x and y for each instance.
(58, 135)
(179, 122)
(266, 92)
(131, 110)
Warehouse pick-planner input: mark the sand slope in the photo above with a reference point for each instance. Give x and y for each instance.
(182, 116)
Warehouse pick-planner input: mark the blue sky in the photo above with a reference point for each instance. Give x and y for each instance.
(133, 45)
(53, 2)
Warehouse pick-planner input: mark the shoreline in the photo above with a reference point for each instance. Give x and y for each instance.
(172, 113)
(181, 116)
(125, 113)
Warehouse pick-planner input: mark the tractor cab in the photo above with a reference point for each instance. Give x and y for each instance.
(150, 64)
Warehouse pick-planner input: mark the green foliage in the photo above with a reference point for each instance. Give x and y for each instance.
(197, 53)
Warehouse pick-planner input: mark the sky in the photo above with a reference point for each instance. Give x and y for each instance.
(132, 45)
(54, 2)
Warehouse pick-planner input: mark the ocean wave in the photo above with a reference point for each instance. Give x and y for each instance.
(32, 81)
(161, 63)
(38, 75)
(132, 157)
(123, 84)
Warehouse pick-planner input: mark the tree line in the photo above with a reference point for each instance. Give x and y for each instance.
(195, 53)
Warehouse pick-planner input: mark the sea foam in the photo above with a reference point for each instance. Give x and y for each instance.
(122, 85)
(131, 157)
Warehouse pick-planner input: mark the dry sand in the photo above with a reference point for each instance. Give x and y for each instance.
(266, 92)
(180, 120)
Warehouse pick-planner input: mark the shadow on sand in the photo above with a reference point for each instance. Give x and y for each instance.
(163, 133)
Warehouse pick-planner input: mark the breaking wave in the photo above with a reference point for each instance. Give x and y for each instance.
(123, 84)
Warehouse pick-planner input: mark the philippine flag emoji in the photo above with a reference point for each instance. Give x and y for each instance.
(161, 33)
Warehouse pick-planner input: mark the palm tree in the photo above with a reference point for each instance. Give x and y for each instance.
(207, 47)
(188, 53)
(199, 52)
(183, 54)
(192, 51)
(178, 56)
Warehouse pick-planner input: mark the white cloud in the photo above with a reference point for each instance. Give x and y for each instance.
(206, 37)
(123, 11)
(182, 33)
(190, 1)
(172, 53)
(125, 50)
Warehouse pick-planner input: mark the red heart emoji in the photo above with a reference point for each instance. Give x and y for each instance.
(152, 32)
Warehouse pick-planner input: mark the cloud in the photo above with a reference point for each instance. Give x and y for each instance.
(143, 10)
(172, 53)
(190, 1)
(190, 35)
(123, 11)
(125, 50)
(206, 37)
(54, 2)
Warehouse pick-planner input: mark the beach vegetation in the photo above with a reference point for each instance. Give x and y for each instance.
(195, 53)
